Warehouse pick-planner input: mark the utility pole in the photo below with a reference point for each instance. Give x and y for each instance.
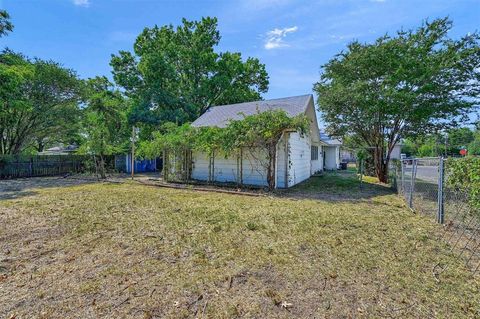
(132, 160)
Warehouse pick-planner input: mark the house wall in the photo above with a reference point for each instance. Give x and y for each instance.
(226, 169)
(282, 164)
(254, 172)
(200, 166)
(299, 165)
(332, 157)
(317, 165)
(397, 150)
(299, 158)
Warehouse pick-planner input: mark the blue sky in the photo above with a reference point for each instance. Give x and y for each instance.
(293, 38)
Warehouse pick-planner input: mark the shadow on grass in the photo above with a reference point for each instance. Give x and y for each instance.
(23, 187)
(337, 186)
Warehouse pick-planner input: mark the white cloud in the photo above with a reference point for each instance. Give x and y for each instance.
(82, 3)
(274, 38)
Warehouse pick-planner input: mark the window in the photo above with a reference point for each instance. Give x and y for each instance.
(314, 156)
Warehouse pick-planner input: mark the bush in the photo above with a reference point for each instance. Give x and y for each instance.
(463, 174)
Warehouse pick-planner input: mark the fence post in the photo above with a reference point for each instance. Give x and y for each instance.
(412, 185)
(30, 167)
(402, 181)
(441, 210)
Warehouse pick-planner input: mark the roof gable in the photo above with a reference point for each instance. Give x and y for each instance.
(220, 115)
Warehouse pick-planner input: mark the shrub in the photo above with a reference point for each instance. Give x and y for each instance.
(463, 174)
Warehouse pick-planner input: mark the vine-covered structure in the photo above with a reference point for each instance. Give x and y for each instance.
(297, 155)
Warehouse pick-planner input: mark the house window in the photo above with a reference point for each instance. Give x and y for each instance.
(314, 156)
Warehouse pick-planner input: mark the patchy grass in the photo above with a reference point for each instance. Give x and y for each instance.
(338, 186)
(127, 250)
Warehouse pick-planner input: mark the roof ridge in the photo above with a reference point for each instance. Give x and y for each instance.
(221, 114)
(275, 99)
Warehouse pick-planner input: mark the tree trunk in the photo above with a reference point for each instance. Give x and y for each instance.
(381, 166)
(271, 167)
(40, 145)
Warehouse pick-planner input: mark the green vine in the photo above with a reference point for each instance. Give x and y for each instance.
(261, 131)
(463, 174)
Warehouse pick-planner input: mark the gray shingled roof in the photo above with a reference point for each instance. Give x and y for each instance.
(221, 115)
(329, 140)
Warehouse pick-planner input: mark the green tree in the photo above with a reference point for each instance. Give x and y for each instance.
(38, 99)
(175, 74)
(474, 146)
(5, 24)
(458, 138)
(105, 122)
(413, 83)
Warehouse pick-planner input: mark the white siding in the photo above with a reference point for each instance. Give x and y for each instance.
(254, 172)
(332, 157)
(317, 165)
(200, 166)
(299, 158)
(226, 170)
(299, 165)
(397, 150)
(282, 164)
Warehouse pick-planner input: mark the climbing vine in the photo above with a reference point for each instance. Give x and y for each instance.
(257, 132)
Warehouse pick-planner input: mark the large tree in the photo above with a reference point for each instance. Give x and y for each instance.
(412, 83)
(5, 24)
(38, 102)
(175, 74)
(105, 122)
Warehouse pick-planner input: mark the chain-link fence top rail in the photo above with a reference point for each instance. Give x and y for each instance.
(424, 183)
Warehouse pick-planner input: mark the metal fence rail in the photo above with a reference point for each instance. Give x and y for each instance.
(424, 184)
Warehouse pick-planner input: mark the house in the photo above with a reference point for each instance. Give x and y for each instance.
(331, 154)
(396, 151)
(298, 156)
(347, 155)
(60, 150)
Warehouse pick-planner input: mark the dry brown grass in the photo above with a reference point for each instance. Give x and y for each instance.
(127, 250)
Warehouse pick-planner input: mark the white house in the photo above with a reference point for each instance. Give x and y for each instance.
(298, 157)
(396, 151)
(331, 154)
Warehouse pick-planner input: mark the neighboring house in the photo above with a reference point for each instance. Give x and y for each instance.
(331, 154)
(347, 155)
(298, 157)
(397, 151)
(60, 150)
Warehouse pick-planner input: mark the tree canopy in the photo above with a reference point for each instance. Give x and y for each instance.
(5, 24)
(415, 82)
(104, 123)
(39, 102)
(174, 73)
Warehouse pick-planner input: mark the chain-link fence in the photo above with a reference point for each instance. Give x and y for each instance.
(424, 182)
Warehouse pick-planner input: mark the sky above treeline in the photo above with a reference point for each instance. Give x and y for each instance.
(292, 38)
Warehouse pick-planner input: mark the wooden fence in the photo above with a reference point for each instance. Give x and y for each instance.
(13, 166)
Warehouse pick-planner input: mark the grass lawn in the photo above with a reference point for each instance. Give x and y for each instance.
(324, 249)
